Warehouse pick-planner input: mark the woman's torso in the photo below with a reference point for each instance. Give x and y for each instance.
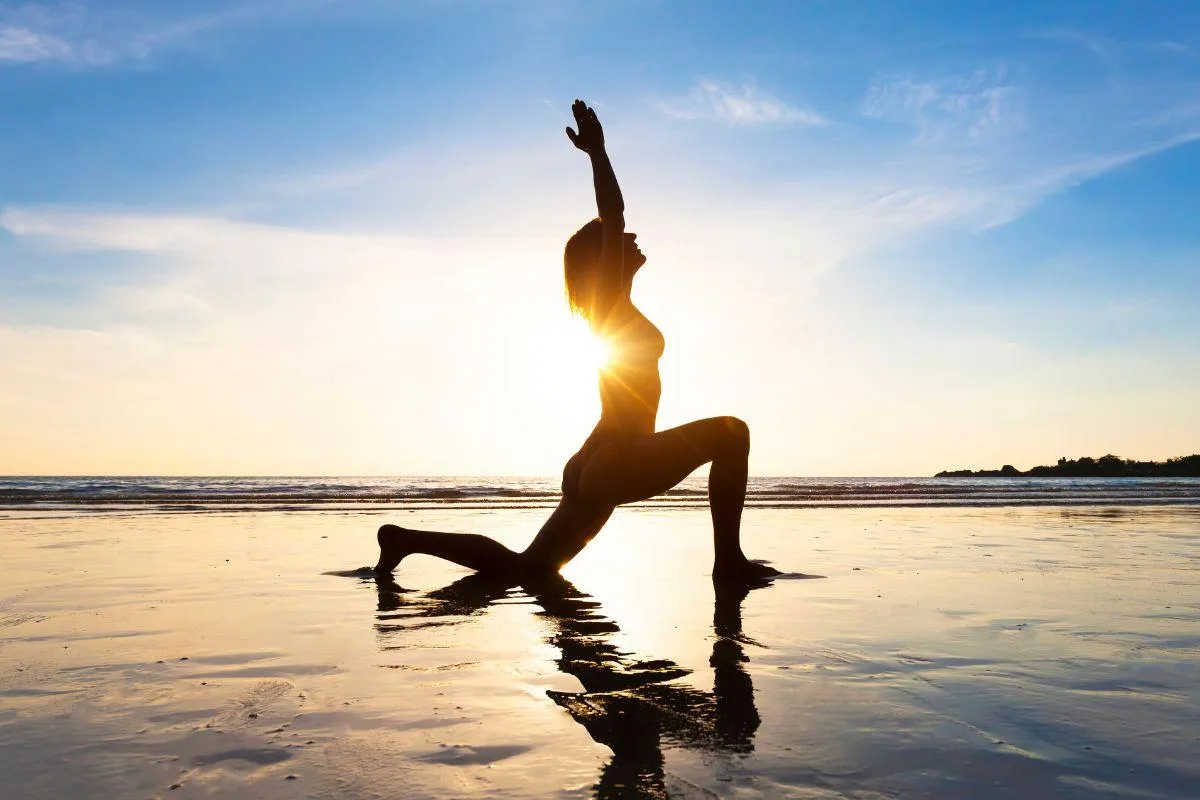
(630, 386)
(629, 391)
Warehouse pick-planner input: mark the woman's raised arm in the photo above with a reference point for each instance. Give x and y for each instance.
(610, 276)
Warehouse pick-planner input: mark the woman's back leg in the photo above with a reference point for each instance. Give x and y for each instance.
(566, 532)
(560, 539)
(466, 549)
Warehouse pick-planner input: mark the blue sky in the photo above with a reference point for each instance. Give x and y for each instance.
(315, 237)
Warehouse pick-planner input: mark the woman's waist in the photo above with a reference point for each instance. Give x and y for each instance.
(621, 427)
(628, 394)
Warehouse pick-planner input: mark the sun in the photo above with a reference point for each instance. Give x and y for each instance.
(597, 352)
(577, 345)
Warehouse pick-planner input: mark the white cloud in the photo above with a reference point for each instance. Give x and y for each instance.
(210, 262)
(1098, 45)
(19, 44)
(744, 104)
(980, 105)
(83, 36)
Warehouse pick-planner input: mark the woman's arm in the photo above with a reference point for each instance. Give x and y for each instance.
(610, 277)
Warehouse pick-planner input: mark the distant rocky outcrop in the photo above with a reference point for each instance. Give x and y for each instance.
(1108, 466)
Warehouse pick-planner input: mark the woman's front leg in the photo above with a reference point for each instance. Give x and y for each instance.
(619, 474)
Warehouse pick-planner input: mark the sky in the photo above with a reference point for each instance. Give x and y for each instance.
(302, 237)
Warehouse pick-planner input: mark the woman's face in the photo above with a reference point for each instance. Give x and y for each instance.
(633, 256)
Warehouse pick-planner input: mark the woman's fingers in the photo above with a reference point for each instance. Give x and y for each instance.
(588, 126)
(583, 113)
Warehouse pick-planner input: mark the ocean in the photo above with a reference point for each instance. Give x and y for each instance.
(281, 493)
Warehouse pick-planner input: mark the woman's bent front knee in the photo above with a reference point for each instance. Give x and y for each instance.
(736, 435)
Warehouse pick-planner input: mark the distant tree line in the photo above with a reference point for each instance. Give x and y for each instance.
(1108, 466)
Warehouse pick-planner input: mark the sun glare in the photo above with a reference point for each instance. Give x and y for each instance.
(557, 363)
(597, 352)
(578, 345)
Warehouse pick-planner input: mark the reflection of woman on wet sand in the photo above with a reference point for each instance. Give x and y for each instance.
(623, 460)
(627, 704)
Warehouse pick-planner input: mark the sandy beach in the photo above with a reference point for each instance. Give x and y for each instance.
(949, 652)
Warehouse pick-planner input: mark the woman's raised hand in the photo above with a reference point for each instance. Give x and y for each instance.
(590, 138)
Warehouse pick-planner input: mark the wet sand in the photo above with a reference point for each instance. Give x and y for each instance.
(949, 653)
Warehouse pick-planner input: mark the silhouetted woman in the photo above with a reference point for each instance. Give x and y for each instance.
(623, 460)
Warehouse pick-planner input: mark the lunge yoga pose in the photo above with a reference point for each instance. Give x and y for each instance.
(623, 460)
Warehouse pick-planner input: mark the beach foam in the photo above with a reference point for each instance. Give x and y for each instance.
(188, 495)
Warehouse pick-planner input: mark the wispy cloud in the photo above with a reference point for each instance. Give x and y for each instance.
(214, 253)
(1111, 51)
(1098, 45)
(744, 104)
(980, 105)
(19, 44)
(91, 37)
(1083, 169)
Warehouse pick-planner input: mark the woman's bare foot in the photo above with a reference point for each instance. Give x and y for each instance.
(391, 548)
(743, 571)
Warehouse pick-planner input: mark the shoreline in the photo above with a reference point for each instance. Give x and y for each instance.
(352, 495)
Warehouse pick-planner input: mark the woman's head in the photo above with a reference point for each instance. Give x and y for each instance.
(581, 257)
